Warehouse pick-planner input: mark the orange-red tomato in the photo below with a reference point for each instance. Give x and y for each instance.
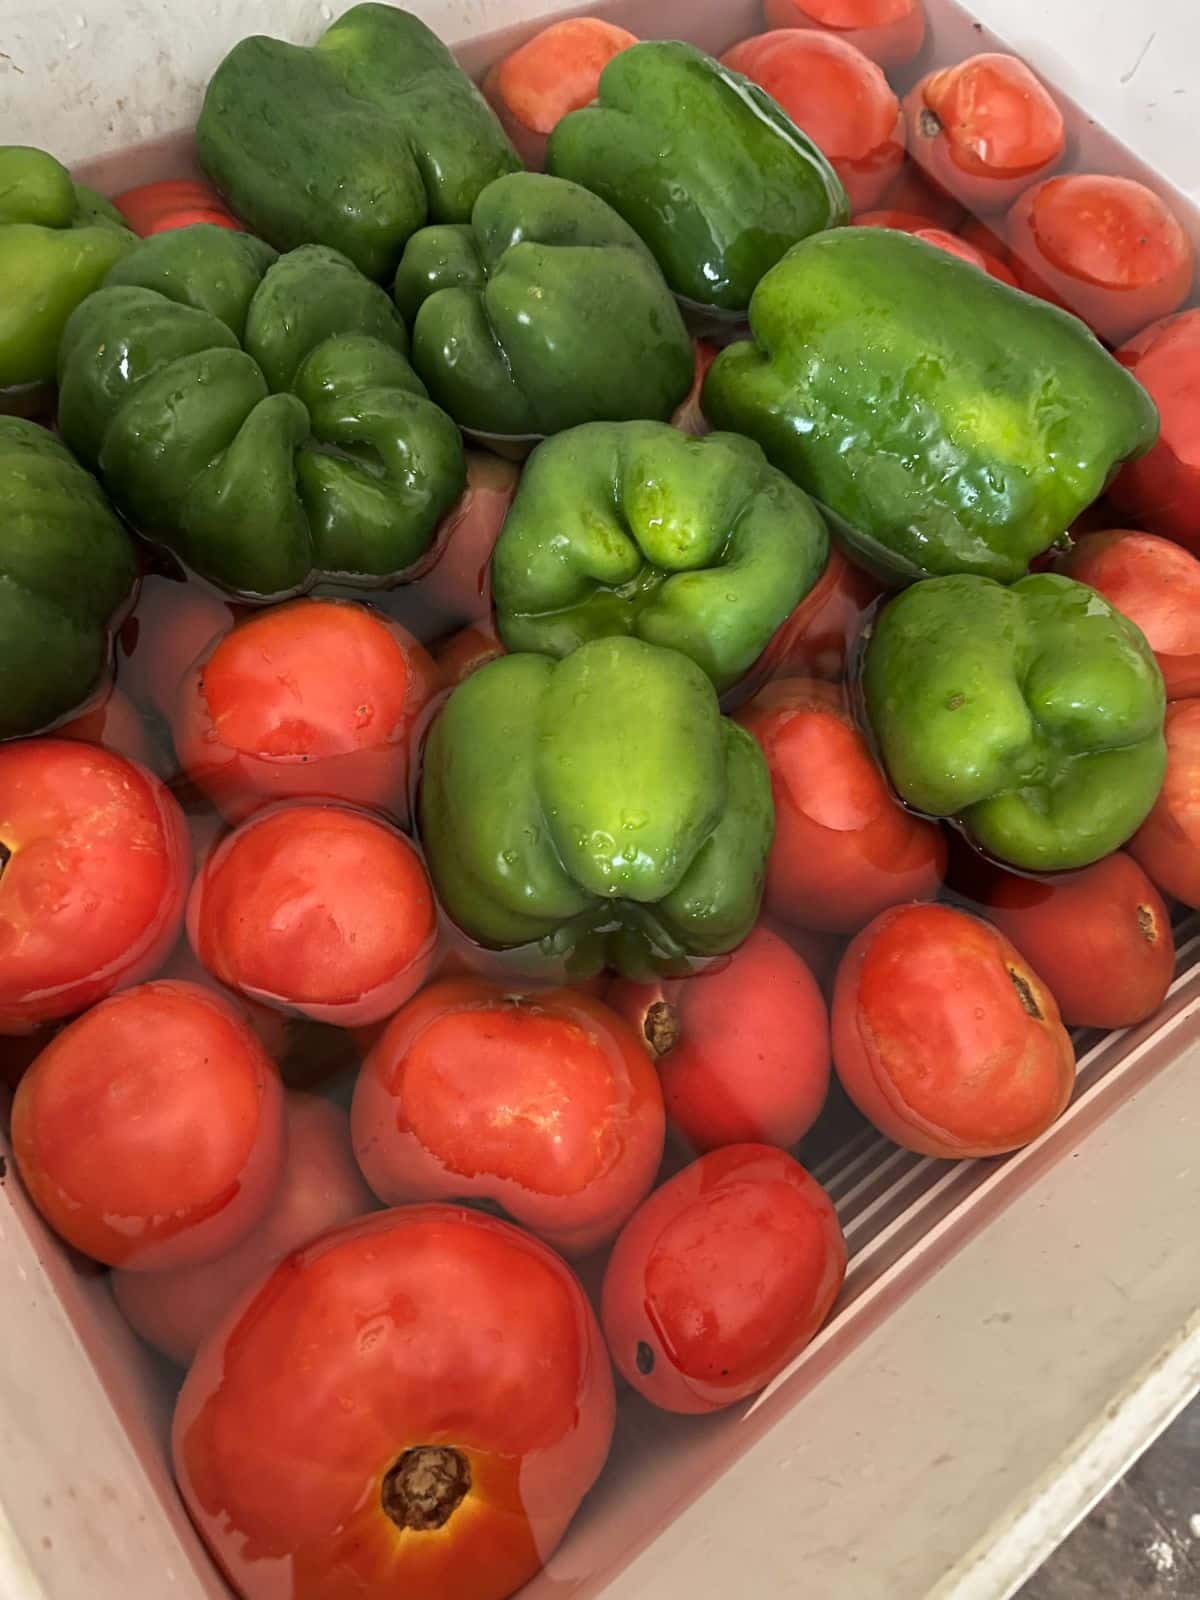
(889, 31)
(94, 868)
(455, 578)
(114, 724)
(1107, 249)
(984, 130)
(844, 846)
(816, 638)
(1167, 845)
(1155, 584)
(945, 1037)
(466, 651)
(149, 1132)
(171, 625)
(914, 196)
(1163, 487)
(317, 908)
(840, 98)
(317, 698)
(413, 1405)
(721, 1278)
(546, 1104)
(556, 71)
(941, 239)
(688, 416)
(742, 1050)
(173, 203)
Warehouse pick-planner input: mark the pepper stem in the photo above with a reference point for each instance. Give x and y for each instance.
(425, 1487)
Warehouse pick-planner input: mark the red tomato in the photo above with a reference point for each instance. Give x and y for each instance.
(171, 625)
(149, 1132)
(742, 1049)
(545, 1104)
(903, 221)
(889, 31)
(413, 1405)
(318, 908)
(844, 847)
(1107, 249)
(173, 203)
(941, 240)
(94, 867)
(556, 71)
(945, 1037)
(318, 698)
(984, 130)
(455, 578)
(1155, 584)
(689, 416)
(821, 952)
(721, 1278)
(1167, 845)
(466, 651)
(1163, 488)
(114, 724)
(320, 1188)
(913, 195)
(838, 96)
(1100, 939)
(817, 637)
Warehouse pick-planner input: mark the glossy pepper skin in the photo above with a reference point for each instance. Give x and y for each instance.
(544, 311)
(962, 441)
(67, 566)
(708, 168)
(57, 241)
(637, 528)
(599, 805)
(257, 414)
(1033, 714)
(354, 143)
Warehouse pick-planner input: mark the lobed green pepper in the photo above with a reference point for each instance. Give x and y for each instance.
(949, 423)
(600, 806)
(637, 528)
(1034, 714)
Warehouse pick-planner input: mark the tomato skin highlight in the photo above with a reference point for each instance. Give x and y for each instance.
(173, 203)
(890, 32)
(1167, 845)
(721, 1278)
(545, 1103)
(426, 1326)
(944, 1036)
(556, 71)
(94, 870)
(149, 1132)
(1162, 488)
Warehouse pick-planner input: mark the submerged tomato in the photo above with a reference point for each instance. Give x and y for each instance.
(1162, 488)
(171, 625)
(173, 203)
(455, 578)
(149, 1132)
(914, 196)
(466, 651)
(952, 243)
(1167, 844)
(544, 1103)
(556, 71)
(945, 1037)
(94, 867)
(889, 31)
(413, 1405)
(688, 415)
(721, 1278)
(816, 638)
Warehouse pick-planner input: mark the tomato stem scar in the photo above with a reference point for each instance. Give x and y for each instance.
(661, 1027)
(5, 858)
(1025, 993)
(425, 1487)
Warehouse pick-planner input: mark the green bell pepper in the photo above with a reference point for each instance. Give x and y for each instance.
(354, 143)
(599, 807)
(1033, 714)
(714, 175)
(257, 414)
(949, 423)
(57, 241)
(67, 566)
(635, 527)
(545, 311)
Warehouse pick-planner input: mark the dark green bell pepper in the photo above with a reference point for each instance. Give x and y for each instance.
(949, 423)
(714, 175)
(545, 311)
(57, 242)
(1034, 714)
(635, 527)
(598, 807)
(257, 414)
(354, 143)
(67, 567)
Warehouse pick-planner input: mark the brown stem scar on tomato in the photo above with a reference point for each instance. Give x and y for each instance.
(661, 1027)
(1025, 993)
(5, 857)
(644, 1358)
(929, 123)
(425, 1487)
(1147, 926)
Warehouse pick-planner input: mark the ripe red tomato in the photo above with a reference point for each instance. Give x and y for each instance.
(320, 1188)
(1155, 584)
(913, 196)
(838, 96)
(689, 416)
(844, 847)
(889, 31)
(413, 1405)
(1167, 845)
(815, 639)
(455, 577)
(556, 71)
(984, 130)
(721, 1278)
(742, 1050)
(544, 1103)
(171, 625)
(149, 1132)
(945, 1037)
(318, 908)
(466, 651)
(1107, 249)
(315, 699)
(173, 203)
(94, 868)
(113, 724)
(1163, 487)
(952, 243)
